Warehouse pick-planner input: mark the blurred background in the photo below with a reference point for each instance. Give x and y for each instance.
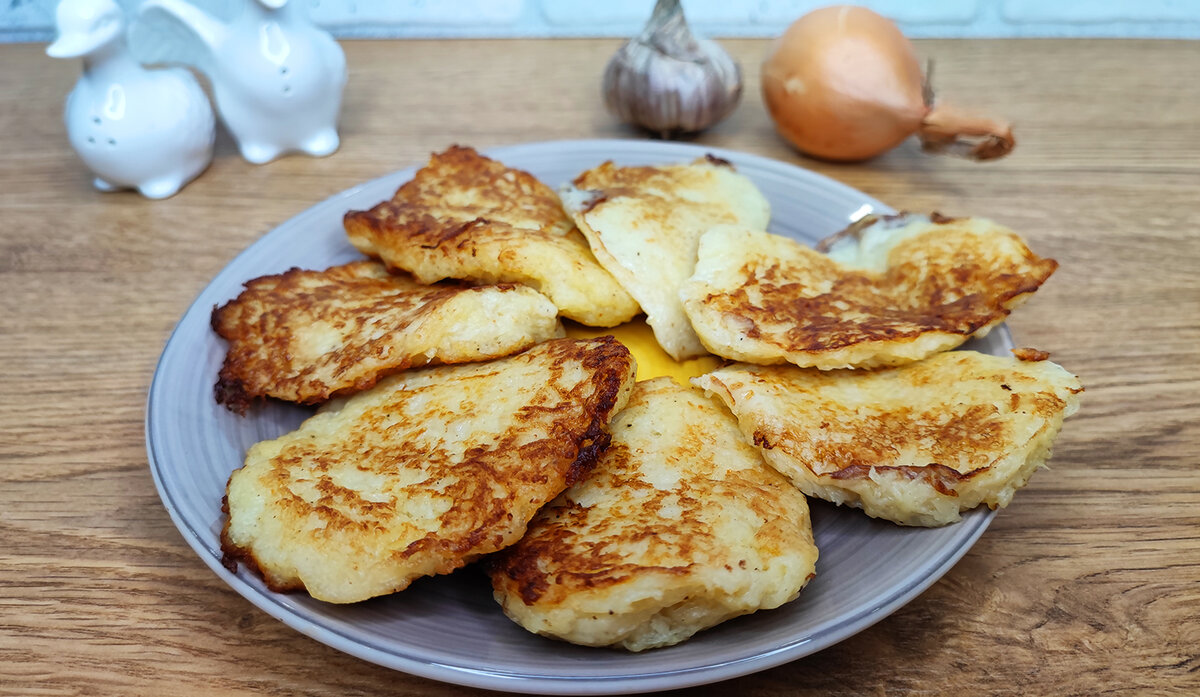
(33, 20)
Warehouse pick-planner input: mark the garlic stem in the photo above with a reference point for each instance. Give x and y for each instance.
(668, 32)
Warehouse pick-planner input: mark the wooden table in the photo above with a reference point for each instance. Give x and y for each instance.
(1086, 584)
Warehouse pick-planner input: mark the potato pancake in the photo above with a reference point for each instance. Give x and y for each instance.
(305, 336)
(644, 223)
(680, 526)
(889, 292)
(468, 217)
(915, 444)
(424, 472)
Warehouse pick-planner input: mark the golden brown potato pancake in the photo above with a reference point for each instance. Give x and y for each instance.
(469, 217)
(424, 472)
(915, 444)
(680, 526)
(644, 223)
(888, 293)
(305, 336)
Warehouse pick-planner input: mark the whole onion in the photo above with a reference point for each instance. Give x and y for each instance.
(843, 83)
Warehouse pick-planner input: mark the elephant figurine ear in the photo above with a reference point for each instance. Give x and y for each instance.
(160, 36)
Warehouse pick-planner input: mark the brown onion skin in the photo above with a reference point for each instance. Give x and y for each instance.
(844, 84)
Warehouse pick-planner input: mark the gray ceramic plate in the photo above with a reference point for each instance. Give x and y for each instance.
(449, 628)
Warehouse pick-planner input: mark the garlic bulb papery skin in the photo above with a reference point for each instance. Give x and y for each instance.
(668, 80)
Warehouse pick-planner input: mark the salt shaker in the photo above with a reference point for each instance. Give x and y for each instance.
(277, 78)
(150, 130)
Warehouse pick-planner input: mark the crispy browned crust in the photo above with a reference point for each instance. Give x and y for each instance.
(574, 414)
(548, 465)
(570, 550)
(941, 433)
(818, 323)
(608, 181)
(465, 216)
(360, 302)
(603, 566)
(232, 555)
(1031, 354)
(502, 201)
(958, 288)
(977, 429)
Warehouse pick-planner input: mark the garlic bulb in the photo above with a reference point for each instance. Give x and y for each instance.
(668, 80)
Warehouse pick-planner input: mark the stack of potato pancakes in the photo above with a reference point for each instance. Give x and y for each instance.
(457, 423)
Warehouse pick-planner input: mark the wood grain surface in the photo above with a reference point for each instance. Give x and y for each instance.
(1088, 584)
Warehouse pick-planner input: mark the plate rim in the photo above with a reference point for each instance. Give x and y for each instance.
(628, 683)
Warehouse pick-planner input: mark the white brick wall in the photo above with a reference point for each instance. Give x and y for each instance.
(32, 20)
